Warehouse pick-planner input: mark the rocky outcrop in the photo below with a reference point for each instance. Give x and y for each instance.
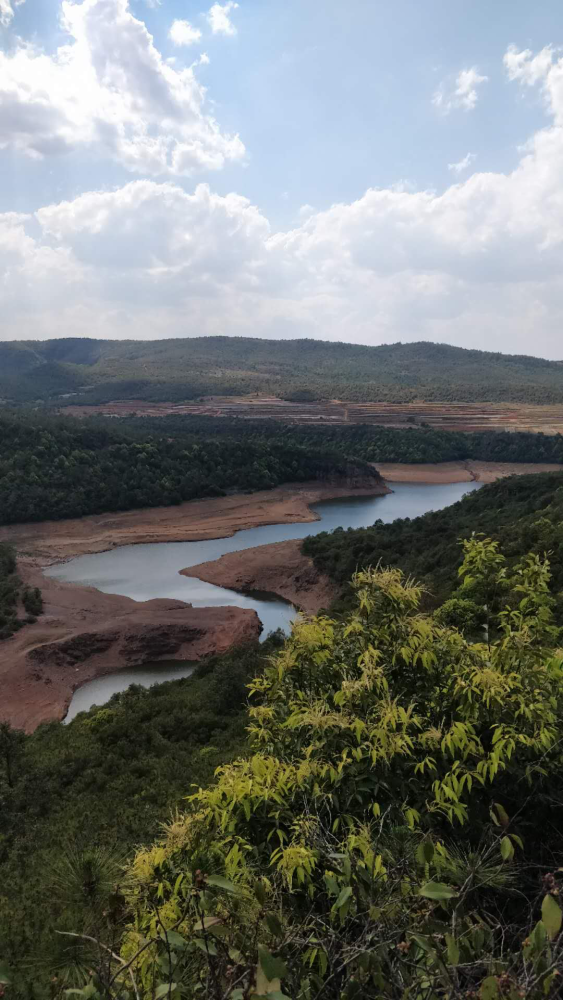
(280, 568)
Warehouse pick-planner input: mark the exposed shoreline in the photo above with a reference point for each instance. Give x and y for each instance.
(459, 472)
(84, 633)
(282, 569)
(48, 542)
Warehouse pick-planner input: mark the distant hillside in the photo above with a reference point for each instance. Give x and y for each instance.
(97, 371)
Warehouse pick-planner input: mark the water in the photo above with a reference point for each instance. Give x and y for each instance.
(146, 571)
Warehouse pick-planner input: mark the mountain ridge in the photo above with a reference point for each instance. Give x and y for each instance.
(90, 370)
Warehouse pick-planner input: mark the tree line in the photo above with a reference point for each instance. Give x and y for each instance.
(56, 467)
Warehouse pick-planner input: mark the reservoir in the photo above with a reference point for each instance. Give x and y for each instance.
(143, 572)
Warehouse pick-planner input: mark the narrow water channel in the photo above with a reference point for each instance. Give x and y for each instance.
(146, 571)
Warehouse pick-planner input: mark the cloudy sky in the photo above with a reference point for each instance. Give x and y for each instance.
(363, 171)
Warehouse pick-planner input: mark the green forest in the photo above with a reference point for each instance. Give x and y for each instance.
(385, 821)
(19, 605)
(57, 467)
(523, 513)
(80, 370)
(54, 467)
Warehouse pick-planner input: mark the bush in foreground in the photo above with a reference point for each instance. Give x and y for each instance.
(395, 831)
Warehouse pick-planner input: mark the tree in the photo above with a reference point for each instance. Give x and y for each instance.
(366, 847)
(11, 747)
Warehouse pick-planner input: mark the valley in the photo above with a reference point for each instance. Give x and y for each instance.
(237, 545)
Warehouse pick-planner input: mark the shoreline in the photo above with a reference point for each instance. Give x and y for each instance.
(465, 471)
(84, 633)
(50, 542)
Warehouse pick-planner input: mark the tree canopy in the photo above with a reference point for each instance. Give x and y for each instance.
(393, 829)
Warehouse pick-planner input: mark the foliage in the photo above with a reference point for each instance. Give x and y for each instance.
(385, 837)
(366, 441)
(76, 799)
(91, 371)
(12, 593)
(522, 512)
(56, 467)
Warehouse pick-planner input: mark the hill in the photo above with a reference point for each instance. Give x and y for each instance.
(138, 756)
(97, 371)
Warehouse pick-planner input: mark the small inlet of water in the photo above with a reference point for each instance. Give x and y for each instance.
(143, 572)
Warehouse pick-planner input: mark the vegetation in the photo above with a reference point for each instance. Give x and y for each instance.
(368, 442)
(523, 512)
(56, 467)
(98, 371)
(77, 798)
(392, 832)
(14, 597)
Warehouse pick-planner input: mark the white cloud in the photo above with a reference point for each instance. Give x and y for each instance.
(479, 265)
(184, 33)
(462, 165)
(219, 19)
(109, 89)
(7, 11)
(464, 93)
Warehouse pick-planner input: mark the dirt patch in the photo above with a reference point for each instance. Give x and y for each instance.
(459, 472)
(84, 634)
(442, 416)
(196, 520)
(280, 568)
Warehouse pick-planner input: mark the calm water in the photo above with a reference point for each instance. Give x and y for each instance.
(146, 571)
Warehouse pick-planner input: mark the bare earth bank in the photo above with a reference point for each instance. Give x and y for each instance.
(84, 633)
(280, 568)
(193, 521)
(459, 472)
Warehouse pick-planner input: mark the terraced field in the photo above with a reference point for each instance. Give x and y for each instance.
(442, 416)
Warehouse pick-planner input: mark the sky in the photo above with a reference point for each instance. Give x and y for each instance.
(369, 172)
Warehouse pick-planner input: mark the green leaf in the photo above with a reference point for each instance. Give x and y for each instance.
(437, 890)
(539, 935)
(452, 949)
(272, 967)
(423, 942)
(260, 893)
(174, 939)
(425, 852)
(506, 849)
(274, 924)
(165, 990)
(551, 916)
(489, 988)
(343, 898)
(207, 946)
(5, 975)
(501, 813)
(221, 883)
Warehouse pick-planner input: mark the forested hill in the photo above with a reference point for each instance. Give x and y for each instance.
(521, 512)
(96, 371)
(57, 467)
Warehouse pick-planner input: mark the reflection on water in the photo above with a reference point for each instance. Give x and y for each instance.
(146, 571)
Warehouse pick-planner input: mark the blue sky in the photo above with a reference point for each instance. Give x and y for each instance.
(330, 102)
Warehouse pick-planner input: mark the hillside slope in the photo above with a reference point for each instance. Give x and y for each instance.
(97, 371)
